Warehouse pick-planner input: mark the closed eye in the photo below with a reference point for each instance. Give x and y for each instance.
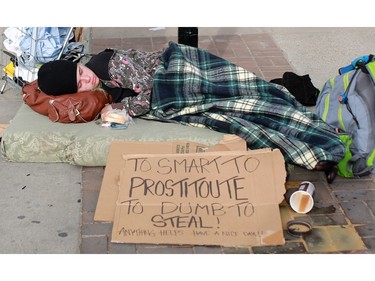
(80, 71)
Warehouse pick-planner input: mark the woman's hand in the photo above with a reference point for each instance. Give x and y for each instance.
(105, 109)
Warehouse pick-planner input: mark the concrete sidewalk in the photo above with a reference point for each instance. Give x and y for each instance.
(48, 208)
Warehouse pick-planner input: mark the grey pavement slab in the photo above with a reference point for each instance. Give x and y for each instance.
(40, 208)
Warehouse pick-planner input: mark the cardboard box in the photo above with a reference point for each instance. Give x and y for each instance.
(213, 198)
(105, 208)
(217, 197)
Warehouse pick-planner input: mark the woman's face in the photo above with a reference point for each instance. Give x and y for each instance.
(86, 79)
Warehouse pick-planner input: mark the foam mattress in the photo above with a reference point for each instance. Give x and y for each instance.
(32, 137)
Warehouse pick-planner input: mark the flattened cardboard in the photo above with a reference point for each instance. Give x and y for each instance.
(105, 208)
(212, 198)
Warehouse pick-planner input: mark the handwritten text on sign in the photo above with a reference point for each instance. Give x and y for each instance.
(177, 195)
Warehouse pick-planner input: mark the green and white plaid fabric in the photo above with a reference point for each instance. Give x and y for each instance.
(194, 87)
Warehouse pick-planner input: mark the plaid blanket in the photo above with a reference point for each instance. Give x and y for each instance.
(194, 87)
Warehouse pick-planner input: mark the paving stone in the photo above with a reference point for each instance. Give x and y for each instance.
(98, 45)
(366, 230)
(89, 201)
(260, 42)
(363, 184)
(331, 219)
(138, 43)
(242, 52)
(325, 208)
(354, 195)
(333, 239)
(247, 63)
(117, 248)
(268, 61)
(298, 174)
(273, 68)
(357, 212)
(292, 238)
(164, 40)
(236, 250)
(94, 245)
(157, 249)
(288, 248)
(371, 205)
(322, 195)
(345, 238)
(233, 39)
(87, 217)
(226, 53)
(207, 250)
(370, 243)
(93, 229)
(92, 178)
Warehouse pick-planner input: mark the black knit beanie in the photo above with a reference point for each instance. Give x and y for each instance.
(58, 77)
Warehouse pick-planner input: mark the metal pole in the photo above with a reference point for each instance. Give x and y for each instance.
(65, 43)
(3, 87)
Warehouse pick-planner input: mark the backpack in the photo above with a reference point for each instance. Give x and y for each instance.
(347, 103)
(70, 108)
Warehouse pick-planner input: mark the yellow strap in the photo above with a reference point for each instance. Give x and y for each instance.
(326, 100)
(332, 81)
(339, 112)
(370, 159)
(326, 107)
(371, 67)
(346, 80)
(339, 115)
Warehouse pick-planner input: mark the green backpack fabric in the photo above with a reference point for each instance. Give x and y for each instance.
(347, 103)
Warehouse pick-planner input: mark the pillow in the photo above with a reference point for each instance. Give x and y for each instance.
(70, 108)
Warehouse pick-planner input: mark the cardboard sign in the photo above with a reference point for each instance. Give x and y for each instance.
(211, 198)
(105, 208)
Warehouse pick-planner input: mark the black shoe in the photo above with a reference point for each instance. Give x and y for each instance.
(331, 174)
(330, 169)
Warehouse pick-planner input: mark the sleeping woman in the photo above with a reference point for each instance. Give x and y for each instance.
(193, 87)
